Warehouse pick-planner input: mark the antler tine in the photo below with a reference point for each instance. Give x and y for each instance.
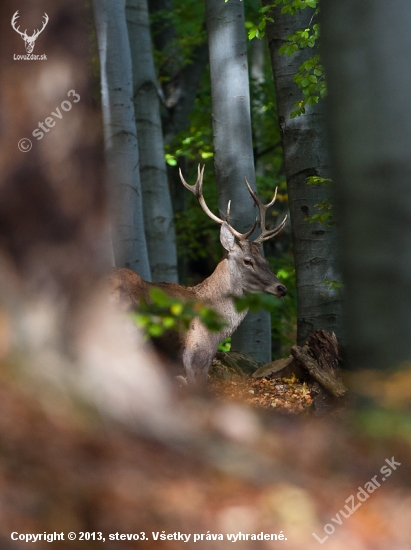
(227, 216)
(265, 235)
(240, 236)
(13, 24)
(37, 32)
(197, 190)
(272, 233)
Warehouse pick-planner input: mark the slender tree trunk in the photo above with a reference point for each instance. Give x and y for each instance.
(233, 145)
(130, 249)
(158, 212)
(306, 154)
(367, 51)
(181, 82)
(257, 49)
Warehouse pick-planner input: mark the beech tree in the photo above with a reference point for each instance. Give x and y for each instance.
(181, 73)
(122, 157)
(367, 53)
(306, 155)
(233, 147)
(158, 212)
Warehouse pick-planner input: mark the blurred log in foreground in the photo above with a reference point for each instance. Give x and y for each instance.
(68, 360)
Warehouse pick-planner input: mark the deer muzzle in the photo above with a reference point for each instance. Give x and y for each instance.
(277, 289)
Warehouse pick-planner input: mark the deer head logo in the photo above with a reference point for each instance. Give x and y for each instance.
(29, 41)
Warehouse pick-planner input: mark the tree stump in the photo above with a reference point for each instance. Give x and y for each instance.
(321, 358)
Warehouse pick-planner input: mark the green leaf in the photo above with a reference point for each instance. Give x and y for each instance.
(252, 33)
(155, 330)
(168, 322)
(159, 297)
(206, 154)
(171, 160)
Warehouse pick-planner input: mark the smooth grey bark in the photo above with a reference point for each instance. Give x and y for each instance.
(158, 212)
(306, 154)
(367, 53)
(129, 243)
(233, 147)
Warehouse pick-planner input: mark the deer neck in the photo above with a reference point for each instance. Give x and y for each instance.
(216, 291)
(221, 284)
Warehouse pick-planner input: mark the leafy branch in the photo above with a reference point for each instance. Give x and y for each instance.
(164, 313)
(325, 214)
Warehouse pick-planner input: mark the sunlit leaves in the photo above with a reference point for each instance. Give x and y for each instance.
(316, 180)
(164, 313)
(325, 213)
(258, 31)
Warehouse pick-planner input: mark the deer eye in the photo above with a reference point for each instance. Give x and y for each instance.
(247, 261)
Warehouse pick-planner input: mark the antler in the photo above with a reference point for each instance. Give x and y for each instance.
(13, 24)
(36, 33)
(197, 190)
(265, 235)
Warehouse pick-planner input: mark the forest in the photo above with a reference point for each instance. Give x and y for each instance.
(205, 250)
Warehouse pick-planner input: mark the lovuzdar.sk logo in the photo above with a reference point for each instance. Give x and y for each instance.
(29, 41)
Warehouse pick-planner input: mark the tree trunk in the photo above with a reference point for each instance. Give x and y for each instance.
(181, 82)
(158, 213)
(233, 145)
(130, 249)
(367, 50)
(305, 152)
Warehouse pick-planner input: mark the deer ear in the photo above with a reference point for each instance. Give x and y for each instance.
(226, 237)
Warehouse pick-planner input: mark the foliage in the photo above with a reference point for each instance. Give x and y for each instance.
(290, 6)
(284, 315)
(165, 313)
(334, 285)
(258, 31)
(195, 142)
(325, 214)
(187, 20)
(310, 77)
(225, 345)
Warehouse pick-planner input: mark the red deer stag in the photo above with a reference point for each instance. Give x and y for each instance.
(243, 269)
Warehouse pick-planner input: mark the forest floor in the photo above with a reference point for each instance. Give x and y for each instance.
(285, 395)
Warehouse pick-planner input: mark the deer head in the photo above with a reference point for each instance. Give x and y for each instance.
(29, 40)
(248, 266)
